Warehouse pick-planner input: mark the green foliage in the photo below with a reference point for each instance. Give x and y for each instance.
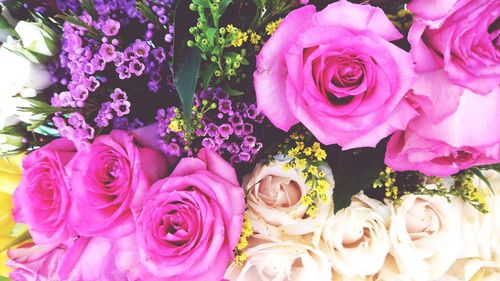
(5, 26)
(186, 60)
(185, 80)
(143, 8)
(268, 10)
(354, 170)
(220, 46)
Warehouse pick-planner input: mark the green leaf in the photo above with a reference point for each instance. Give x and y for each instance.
(5, 25)
(211, 35)
(232, 92)
(208, 74)
(3, 278)
(185, 78)
(480, 175)
(223, 5)
(184, 18)
(354, 170)
(186, 60)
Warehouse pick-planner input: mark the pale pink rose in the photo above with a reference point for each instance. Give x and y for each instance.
(465, 44)
(31, 262)
(469, 136)
(191, 221)
(336, 72)
(42, 200)
(107, 180)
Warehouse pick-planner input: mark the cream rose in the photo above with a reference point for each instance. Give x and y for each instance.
(425, 236)
(471, 270)
(481, 232)
(274, 200)
(281, 261)
(356, 239)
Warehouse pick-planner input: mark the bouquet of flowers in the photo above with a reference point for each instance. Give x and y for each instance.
(250, 140)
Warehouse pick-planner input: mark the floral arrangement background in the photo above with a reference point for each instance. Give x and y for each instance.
(250, 140)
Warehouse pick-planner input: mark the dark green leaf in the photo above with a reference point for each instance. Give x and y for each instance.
(211, 35)
(480, 175)
(185, 79)
(354, 170)
(184, 19)
(223, 5)
(208, 73)
(232, 92)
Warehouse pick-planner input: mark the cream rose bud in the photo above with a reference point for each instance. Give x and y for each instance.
(36, 38)
(426, 238)
(356, 239)
(274, 200)
(287, 261)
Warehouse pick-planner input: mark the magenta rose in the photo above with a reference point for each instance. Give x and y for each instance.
(336, 72)
(106, 180)
(465, 44)
(31, 262)
(469, 136)
(191, 221)
(42, 200)
(431, 11)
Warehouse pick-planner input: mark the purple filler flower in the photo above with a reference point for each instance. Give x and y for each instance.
(111, 27)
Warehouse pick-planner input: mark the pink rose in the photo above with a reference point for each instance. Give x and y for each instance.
(106, 181)
(92, 259)
(191, 221)
(42, 200)
(431, 11)
(336, 72)
(469, 136)
(466, 44)
(32, 262)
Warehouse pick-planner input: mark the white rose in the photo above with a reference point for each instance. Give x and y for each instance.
(356, 239)
(470, 270)
(274, 200)
(36, 39)
(18, 78)
(481, 232)
(281, 261)
(425, 236)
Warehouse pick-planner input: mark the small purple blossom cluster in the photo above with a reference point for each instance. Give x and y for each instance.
(123, 123)
(119, 105)
(76, 130)
(224, 127)
(173, 142)
(230, 128)
(92, 57)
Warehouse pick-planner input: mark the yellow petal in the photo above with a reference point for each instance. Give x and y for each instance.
(4, 270)
(10, 172)
(6, 220)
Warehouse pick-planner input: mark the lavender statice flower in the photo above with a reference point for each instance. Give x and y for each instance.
(94, 58)
(224, 126)
(230, 128)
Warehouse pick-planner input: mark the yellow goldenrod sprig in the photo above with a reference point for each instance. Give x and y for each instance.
(402, 19)
(387, 180)
(308, 159)
(464, 188)
(272, 26)
(246, 232)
